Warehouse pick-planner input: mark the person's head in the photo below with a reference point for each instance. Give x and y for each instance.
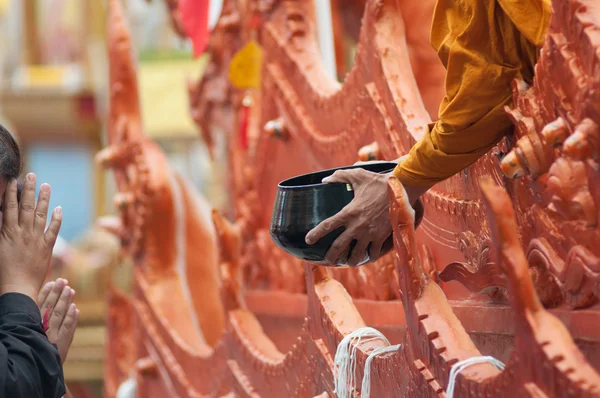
(10, 159)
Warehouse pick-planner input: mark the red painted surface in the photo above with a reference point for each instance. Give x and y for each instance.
(503, 267)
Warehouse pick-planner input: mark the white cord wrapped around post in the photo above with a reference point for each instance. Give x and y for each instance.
(365, 389)
(345, 361)
(462, 365)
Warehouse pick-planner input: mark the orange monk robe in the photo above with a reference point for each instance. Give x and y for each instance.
(484, 45)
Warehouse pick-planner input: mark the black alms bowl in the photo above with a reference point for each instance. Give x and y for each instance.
(302, 202)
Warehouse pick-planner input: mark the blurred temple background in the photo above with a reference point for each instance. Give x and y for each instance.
(53, 98)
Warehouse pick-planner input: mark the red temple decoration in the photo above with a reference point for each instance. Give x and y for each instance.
(194, 20)
(506, 262)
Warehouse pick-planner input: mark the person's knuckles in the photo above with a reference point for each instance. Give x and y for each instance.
(47, 288)
(360, 172)
(9, 234)
(28, 239)
(41, 214)
(11, 205)
(57, 315)
(27, 206)
(325, 227)
(342, 176)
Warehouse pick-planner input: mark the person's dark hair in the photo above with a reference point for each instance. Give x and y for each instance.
(10, 159)
(10, 156)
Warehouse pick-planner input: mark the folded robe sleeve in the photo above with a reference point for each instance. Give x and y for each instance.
(30, 366)
(484, 45)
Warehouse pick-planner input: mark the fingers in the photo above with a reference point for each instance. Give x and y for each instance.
(60, 310)
(375, 250)
(54, 227)
(27, 203)
(325, 227)
(41, 211)
(10, 206)
(70, 321)
(43, 295)
(343, 257)
(67, 331)
(358, 252)
(53, 295)
(345, 176)
(339, 246)
(63, 316)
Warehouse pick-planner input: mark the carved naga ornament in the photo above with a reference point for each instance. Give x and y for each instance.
(505, 263)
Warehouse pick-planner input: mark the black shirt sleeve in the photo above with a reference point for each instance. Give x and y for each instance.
(30, 365)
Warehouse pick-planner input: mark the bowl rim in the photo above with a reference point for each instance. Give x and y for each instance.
(334, 169)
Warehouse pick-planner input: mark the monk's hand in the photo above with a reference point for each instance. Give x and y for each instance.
(25, 244)
(366, 218)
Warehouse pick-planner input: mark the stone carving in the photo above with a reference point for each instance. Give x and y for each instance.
(218, 310)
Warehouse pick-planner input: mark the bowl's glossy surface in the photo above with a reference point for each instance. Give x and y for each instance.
(302, 202)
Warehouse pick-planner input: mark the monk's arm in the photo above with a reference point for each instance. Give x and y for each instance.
(472, 118)
(464, 133)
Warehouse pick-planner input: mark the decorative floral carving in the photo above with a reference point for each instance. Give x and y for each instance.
(581, 277)
(528, 157)
(569, 194)
(543, 260)
(584, 143)
(478, 273)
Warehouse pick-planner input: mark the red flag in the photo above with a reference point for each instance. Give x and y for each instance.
(194, 18)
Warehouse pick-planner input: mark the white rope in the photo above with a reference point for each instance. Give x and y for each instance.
(127, 389)
(365, 390)
(462, 365)
(345, 360)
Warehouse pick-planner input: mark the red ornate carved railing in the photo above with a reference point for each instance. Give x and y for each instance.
(506, 267)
